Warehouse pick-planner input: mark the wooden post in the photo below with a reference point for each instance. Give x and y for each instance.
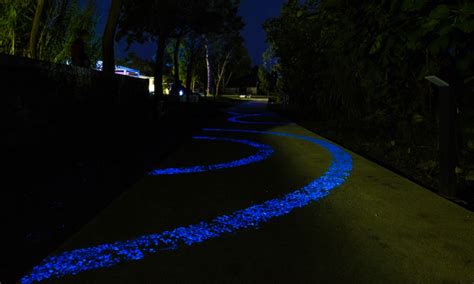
(447, 138)
(447, 143)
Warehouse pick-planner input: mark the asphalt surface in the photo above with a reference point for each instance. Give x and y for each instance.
(377, 227)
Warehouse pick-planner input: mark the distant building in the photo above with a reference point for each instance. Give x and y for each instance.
(120, 70)
(126, 71)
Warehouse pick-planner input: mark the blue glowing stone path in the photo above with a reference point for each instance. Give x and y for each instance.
(237, 118)
(264, 151)
(108, 255)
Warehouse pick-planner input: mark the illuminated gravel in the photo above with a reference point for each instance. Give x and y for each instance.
(238, 118)
(108, 255)
(264, 152)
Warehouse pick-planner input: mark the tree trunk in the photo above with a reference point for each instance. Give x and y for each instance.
(176, 64)
(221, 72)
(208, 64)
(190, 69)
(34, 35)
(159, 65)
(108, 38)
(158, 99)
(226, 81)
(13, 40)
(218, 85)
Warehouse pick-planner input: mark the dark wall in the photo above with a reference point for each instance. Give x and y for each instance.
(53, 115)
(69, 139)
(40, 95)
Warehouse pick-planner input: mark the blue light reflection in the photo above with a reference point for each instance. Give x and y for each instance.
(264, 152)
(238, 118)
(108, 255)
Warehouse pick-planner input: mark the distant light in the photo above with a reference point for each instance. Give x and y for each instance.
(181, 93)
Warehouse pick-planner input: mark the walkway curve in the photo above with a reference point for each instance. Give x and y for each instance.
(264, 152)
(237, 118)
(108, 255)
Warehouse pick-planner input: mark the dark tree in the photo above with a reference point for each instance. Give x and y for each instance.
(108, 39)
(35, 30)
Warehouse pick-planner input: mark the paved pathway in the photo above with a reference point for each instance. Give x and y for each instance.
(289, 207)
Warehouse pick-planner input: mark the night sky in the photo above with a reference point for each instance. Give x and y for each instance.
(254, 13)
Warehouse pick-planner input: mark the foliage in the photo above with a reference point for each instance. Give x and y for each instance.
(160, 21)
(15, 20)
(63, 23)
(369, 59)
(240, 67)
(59, 27)
(267, 82)
(136, 62)
(229, 59)
(268, 75)
(362, 65)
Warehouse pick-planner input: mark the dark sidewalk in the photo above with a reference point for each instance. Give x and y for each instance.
(377, 227)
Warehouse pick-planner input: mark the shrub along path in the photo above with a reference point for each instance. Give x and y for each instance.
(376, 227)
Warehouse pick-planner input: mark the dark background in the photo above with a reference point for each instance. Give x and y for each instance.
(254, 14)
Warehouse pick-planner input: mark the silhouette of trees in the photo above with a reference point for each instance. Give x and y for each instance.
(229, 56)
(188, 22)
(362, 65)
(34, 34)
(342, 58)
(45, 29)
(108, 39)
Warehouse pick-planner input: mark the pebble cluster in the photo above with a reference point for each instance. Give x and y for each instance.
(108, 255)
